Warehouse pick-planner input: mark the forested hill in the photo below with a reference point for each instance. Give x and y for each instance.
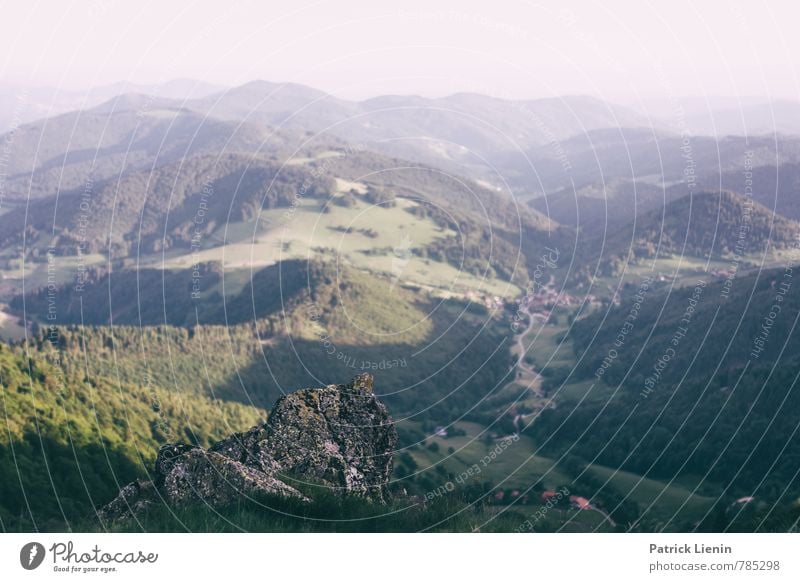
(297, 323)
(155, 210)
(725, 319)
(70, 438)
(706, 224)
(705, 384)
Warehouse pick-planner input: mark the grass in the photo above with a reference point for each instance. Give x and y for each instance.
(10, 328)
(545, 346)
(283, 233)
(592, 391)
(300, 161)
(516, 466)
(35, 274)
(644, 491)
(687, 270)
(548, 351)
(381, 240)
(325, 513)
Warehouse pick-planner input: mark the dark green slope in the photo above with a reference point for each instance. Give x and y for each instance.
(775, 185)
(295, 324)
(131, 297)
(169, 207)
(706, 224)
(707, 388)
(69, 440)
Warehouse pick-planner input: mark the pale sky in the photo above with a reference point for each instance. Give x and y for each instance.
(614, 49)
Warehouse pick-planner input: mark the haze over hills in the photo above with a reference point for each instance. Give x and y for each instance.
(154, 210)
(466, 134)
(462, 132)
(478, 255)
(483, 136)
(530, 147)
(74, 151)
(656, 158)
(22, 104)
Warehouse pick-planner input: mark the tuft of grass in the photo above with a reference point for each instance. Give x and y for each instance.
(326, 513)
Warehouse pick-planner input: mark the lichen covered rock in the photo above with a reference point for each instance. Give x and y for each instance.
(133, 499)
(338, 437)
(341, 436)
(194, 474)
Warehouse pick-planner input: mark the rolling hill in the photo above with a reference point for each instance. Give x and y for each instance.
(714, 224)
(72, 437)
(77, 151)
(465, 133)
(151, 211)
(293, 324)
(701, 392)
(707, 224)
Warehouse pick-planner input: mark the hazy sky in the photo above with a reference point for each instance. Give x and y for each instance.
(355, 48)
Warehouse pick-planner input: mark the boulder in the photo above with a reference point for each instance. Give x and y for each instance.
(339, 437)
(133, 499)
(185, 473)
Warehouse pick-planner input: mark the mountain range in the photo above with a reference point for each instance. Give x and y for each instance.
(219, 247)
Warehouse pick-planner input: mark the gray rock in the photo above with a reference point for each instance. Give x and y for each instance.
(337, 437)
(133, 499)
(341, 436)
(199, 475)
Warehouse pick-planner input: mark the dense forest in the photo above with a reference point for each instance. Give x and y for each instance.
(294, 324)
(72, 437)
(731, 426)
(176, 266)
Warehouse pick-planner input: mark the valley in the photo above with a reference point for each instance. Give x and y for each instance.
(170, 270)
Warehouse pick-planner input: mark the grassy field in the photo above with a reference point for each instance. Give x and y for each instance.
(10, 328)
(590, 390)
(688, 270)
(377, 239)
(546, 348)
(300, 161)
(384, 238)
(35, 275)
(544, 343)
(283, 233)
(665, 500)
(549, 352)
(519, 467)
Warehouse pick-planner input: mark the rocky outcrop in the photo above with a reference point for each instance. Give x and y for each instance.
(339, 437)
(342, 437)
